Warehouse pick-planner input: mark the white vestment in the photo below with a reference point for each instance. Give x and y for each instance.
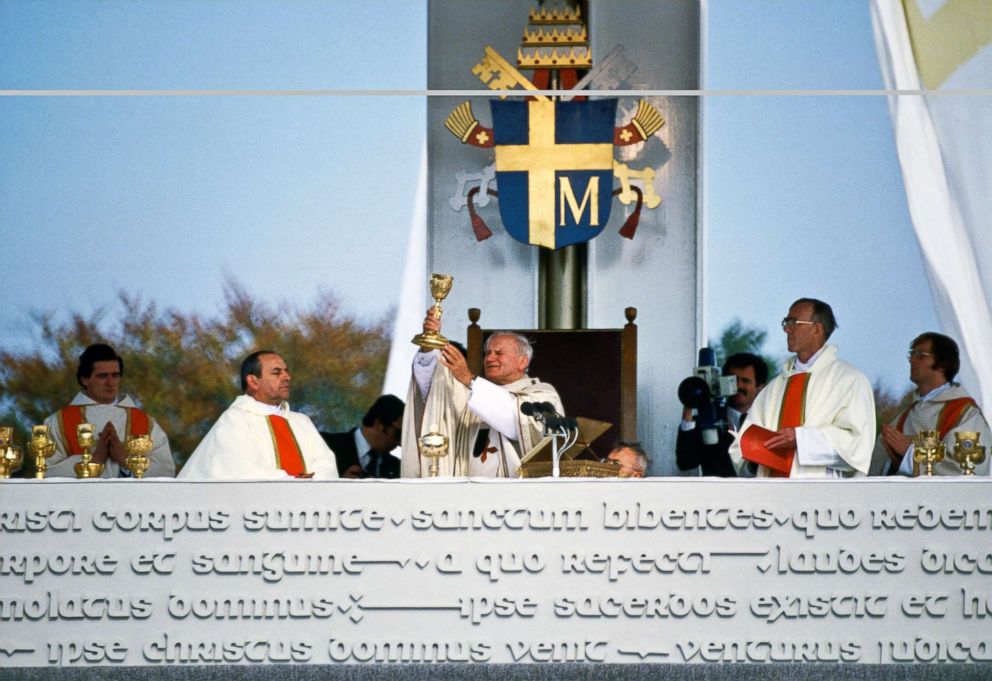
(60, 465)
(460, 414)
(923, 416)
(838, 431)
(241, 446)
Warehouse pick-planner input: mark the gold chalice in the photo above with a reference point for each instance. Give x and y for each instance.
(87, 468)
(928, 449)
(41, 447)
(434, 446)
(440, 287)
(967, 451)
(137, 447)
(10, 454)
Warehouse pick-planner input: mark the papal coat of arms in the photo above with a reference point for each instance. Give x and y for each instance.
(554, 157)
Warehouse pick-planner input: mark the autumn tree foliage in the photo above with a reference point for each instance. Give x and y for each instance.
(182, 367)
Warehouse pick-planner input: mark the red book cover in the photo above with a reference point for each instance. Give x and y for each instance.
(753, 449)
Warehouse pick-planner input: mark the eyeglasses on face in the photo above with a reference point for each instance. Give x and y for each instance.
(918, 354)
(792, 323)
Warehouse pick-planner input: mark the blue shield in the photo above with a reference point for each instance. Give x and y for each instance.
(554, 169)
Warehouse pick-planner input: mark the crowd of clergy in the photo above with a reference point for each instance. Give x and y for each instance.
(815, 418)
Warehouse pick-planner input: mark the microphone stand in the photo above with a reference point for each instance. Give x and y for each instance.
(556, 427)
(561, 431)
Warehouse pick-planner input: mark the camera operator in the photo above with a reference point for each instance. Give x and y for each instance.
(695, 448)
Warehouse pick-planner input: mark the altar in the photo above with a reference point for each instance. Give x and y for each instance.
(648, 576)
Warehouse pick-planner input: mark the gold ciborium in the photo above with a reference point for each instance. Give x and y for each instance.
(10, 454)
(967, 451)
(434, 446)
(87, 468)
(928, 449)
(137, 447)
(41, 447)
(440, 287)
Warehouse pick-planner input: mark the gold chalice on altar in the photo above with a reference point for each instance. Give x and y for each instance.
(928, 449)
(137, 447)
(967, 451)
(434, 446)
(10, 454)
(87, 468)
(440, 287)
(41, 447)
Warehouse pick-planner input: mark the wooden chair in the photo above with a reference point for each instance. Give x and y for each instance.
(594, 371)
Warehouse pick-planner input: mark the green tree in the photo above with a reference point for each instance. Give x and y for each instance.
(183, 367)
(740, 337)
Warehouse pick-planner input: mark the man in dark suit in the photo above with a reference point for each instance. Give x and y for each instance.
(713, 459)
(364, 451)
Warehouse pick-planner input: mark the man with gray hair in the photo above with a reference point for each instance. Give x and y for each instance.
(480, 415)
(818, 414)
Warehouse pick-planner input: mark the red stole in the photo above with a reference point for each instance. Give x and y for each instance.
(288, 455)
(949, 416)
(792, 413)
(138, 423)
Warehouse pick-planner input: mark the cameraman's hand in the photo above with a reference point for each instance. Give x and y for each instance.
(687, 415)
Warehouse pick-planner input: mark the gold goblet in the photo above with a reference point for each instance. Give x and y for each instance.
(440, 287)
(434, 446)
(87, 468)
(928, 449)
(137, 447)
(42, 446)
(967, 451)
(10, 454)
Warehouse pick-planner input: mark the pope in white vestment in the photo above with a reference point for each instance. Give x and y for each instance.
(258, 437)
(62, 465)
(837, 433)
(481, 416)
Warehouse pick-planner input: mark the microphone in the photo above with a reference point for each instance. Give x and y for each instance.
(546, 413)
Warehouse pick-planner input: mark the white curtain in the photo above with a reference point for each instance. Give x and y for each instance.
(412, 296)
(944, 141)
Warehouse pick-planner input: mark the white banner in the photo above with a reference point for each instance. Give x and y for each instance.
(944, 142)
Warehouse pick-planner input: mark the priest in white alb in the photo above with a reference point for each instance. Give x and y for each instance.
(938, 404)
(820, 410)
(480, 415)
(114, 417)
(258, 437)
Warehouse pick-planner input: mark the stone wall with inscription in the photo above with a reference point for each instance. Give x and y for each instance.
(660, 571)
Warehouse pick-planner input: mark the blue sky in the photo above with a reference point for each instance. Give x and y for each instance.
(803, 194)
(165, 197)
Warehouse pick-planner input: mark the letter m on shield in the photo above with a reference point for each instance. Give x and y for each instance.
(554, 169)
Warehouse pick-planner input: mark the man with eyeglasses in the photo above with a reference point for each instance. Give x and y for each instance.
(364, 451)
(631, 459)
(938, 404)
(818, 414)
